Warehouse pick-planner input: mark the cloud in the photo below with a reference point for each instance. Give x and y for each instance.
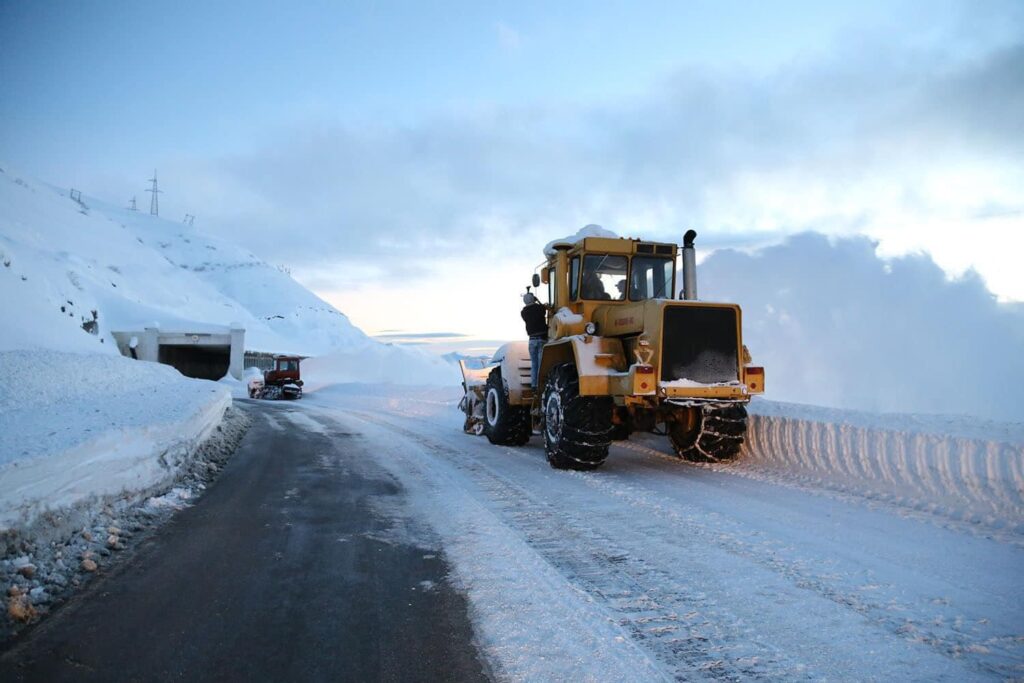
(836, 325)
(877, 139)
(508, 38)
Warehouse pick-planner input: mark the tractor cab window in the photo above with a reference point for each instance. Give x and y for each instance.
(287, 365)
(574, 278)
(652, 278)
(604, 277)
(551, 286)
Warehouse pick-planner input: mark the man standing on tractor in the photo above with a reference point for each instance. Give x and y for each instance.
(537, 329)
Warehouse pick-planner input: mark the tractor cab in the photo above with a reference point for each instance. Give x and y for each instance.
(286, 369)
(281, 382)
(602, 271)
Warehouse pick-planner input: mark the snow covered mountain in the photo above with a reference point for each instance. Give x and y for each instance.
(71, 264)
(74, 270)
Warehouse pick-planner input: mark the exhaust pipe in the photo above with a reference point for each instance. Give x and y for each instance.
(689, 266)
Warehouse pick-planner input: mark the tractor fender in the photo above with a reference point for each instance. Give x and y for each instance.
(597, 360)
(514, 360)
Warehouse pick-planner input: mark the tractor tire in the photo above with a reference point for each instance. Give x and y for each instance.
(717, 435)
(577, 429)
(620, 432)
(504, 424)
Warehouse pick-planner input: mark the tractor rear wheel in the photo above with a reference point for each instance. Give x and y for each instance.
(577, 429)
(712, 433)
(504, 424)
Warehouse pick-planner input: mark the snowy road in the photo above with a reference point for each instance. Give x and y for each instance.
(283, 570)
(652, 568)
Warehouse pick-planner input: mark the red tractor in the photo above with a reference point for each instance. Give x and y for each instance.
(283, 382)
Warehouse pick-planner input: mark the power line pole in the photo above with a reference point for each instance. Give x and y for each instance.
(189, 219)
(131, 204)
(154, 203)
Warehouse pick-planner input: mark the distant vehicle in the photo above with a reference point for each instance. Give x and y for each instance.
(283, 382)
(623, 355)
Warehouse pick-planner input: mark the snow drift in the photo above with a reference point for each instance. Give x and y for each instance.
(835, 325)
(963, 469)
(78, 428)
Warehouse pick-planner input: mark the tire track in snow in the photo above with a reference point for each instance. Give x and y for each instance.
(942, 628)
(527, 639)
(675, 617)
(664, 622)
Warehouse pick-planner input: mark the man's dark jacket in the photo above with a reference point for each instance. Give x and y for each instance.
(536, 326)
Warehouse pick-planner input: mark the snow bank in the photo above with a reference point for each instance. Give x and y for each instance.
(960, 468)
(75, 428)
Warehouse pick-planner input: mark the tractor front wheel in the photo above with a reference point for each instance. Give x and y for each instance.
(504, 424)
(577, 429)
(709, 433)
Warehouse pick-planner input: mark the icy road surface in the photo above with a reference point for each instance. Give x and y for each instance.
(651, 568)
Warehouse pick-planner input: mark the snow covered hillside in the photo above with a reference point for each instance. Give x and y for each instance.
(66, 264)
(84, 423)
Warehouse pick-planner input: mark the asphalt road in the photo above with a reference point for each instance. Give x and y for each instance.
(283, 570)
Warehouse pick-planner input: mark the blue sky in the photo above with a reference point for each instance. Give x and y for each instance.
(148, 79)
(408, 147)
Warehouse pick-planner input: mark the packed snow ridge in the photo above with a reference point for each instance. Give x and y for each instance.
(83, 428)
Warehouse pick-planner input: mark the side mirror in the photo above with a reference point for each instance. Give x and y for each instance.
(536, 280)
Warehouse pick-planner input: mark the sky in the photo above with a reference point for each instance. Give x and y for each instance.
(407, 161)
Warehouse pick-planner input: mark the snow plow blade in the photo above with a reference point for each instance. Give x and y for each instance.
(472, 404)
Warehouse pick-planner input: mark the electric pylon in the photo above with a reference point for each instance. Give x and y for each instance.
(154, 203)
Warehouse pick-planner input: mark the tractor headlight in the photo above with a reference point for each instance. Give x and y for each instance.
(590, 328)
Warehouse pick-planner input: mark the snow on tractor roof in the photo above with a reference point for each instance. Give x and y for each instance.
(590, 230)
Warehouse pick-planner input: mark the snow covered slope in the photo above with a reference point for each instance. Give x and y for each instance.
(66, 264)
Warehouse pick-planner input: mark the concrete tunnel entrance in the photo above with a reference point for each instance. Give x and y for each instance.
(205, 352)
(201, 362)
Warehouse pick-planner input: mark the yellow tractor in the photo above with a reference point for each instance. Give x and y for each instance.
(622, 356)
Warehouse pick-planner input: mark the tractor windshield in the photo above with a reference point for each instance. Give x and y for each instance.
(287, 365)
(604, 277)
(652, 278)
